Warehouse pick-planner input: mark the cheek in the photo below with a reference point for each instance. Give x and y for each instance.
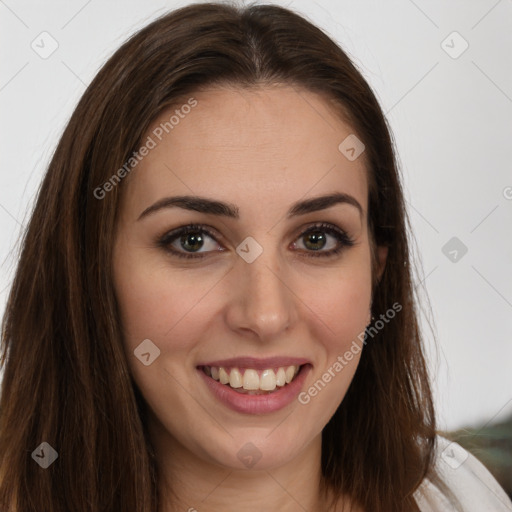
(156, 303)
(338, 313)
(344, 307)
(340, 301)
(341, 350)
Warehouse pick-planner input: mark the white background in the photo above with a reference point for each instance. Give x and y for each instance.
(451, 118)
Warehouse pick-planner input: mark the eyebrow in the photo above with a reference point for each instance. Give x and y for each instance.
(214, 207)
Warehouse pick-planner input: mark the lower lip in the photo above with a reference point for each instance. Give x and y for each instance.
(257, 404)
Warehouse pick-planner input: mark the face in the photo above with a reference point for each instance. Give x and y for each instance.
(268, 286)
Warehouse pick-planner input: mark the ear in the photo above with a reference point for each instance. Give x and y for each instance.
(381, 256)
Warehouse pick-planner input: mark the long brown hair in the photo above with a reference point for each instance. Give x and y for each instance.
(66, 380)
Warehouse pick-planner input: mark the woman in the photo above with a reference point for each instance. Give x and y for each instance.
(213, 308)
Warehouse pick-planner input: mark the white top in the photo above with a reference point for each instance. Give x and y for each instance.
(469, 480)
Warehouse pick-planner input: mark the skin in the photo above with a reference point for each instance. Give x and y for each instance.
(261, 149)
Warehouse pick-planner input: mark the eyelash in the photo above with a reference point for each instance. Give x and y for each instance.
(342, 237)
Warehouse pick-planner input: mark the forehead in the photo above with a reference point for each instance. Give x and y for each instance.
(273, 144)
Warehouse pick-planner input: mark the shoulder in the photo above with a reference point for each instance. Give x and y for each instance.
(468, 479)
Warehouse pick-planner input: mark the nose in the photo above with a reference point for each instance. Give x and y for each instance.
(261, 300)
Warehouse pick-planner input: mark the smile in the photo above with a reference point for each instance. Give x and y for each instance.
(250, 385)
(252, 381)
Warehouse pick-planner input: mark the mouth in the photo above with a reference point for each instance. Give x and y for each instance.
(253, 381)
(250, 385)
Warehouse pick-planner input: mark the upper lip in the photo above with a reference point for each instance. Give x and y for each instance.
(257, 363)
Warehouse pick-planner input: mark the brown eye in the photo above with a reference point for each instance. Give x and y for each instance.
(191, 241)
(316, 238)
(187, 242)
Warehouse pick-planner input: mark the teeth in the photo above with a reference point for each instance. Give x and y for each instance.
(281, 377)
(235, 378)
(252, 380)
(223, 376)
(268, 380)
(289, 374)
